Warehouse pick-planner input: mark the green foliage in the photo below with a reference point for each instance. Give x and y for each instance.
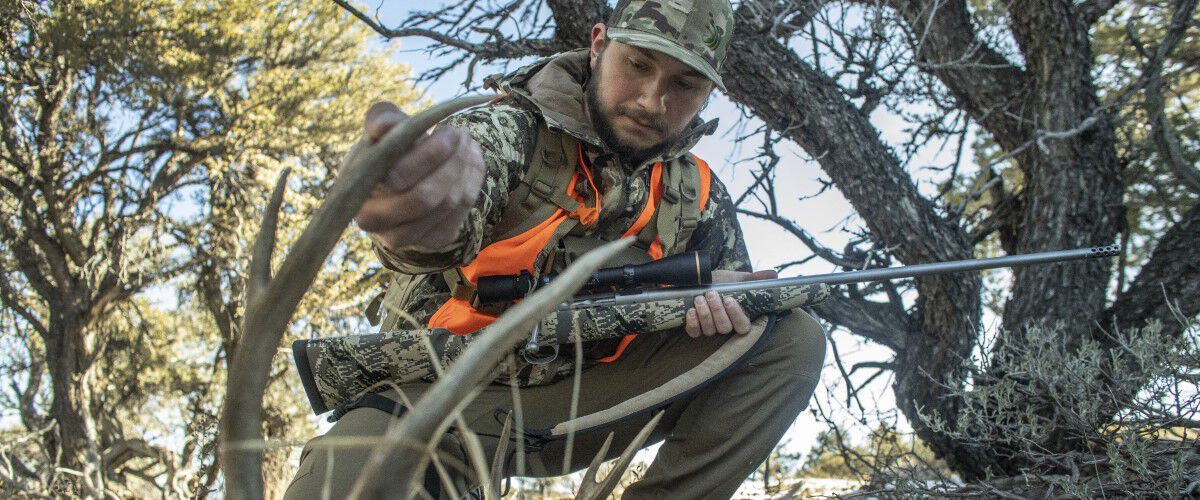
(884, 450)
(1140, 438)
(140, 141)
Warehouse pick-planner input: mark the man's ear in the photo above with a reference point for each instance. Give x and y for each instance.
(598, 40)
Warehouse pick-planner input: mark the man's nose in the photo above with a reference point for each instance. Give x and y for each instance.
(653, 98)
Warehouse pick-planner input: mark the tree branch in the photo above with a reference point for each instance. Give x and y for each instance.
(1166, 141)
(878, 322)
(1093, 10)
(1170, 279)
(812, 244)
(984, 82)
(500, 49)
(810, 109)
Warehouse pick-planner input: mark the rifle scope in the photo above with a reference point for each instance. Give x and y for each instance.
(685, 269)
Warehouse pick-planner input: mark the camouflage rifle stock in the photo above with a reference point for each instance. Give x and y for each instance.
(337, 370)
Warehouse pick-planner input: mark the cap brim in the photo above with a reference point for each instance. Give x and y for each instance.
(658, 42)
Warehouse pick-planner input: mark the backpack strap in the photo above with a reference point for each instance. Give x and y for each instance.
(541, 192)
(542, 189)
(685, 194)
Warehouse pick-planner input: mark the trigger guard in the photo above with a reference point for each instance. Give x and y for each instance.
(540, 356)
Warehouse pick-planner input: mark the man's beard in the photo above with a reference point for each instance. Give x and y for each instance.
(603, 126)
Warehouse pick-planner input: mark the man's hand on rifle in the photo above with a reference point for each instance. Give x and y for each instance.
(713, 314)
(428, 192)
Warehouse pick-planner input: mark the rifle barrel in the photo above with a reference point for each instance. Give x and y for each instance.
(864, 276)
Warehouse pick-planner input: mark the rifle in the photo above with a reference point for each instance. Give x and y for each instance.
(337, 370)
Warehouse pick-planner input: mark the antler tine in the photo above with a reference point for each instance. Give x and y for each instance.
(590, 489)
(473, 368)
(264, 244)
(589, 477)
(271, 308)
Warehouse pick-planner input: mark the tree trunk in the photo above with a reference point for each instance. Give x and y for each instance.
(1073, 186)
(76, 438)
(1048, 116)
(810, 109)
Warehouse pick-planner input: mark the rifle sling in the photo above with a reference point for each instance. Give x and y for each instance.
(725, 358)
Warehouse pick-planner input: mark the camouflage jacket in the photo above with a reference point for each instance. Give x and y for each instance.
(547, 93)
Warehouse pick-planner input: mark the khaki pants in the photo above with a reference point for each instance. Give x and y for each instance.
(712, 438)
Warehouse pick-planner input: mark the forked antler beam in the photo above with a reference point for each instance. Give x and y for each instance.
(271, 302)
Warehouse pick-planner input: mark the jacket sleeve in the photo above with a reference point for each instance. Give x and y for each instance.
(505, 134)
(719, 232)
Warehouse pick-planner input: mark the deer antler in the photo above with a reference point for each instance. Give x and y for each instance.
(473, 368)
(591, 488)
(270, 302)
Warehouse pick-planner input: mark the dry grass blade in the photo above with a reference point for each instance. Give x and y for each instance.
(501, 450)
(470, 440)
(270, 309)
(590, 488)
(472, 369)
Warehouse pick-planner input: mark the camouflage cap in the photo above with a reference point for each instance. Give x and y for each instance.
(696, 32)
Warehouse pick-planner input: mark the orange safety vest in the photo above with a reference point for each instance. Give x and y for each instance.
(518, 253)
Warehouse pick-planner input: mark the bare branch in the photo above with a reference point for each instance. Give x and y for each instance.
(807, 239)
(982, 80)
(1164, 137)
(1093, 10)
(1173, 271)
(501, 48)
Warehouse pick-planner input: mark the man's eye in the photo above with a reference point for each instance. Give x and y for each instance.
(684, 85)
(635, 64)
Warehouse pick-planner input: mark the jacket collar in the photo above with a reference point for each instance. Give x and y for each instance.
(554, 87)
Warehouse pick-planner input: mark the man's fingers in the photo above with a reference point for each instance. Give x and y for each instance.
(379, 213)
(381, 117)
(691, 323)
(704, 316)
(714, 314)
(737, 316)
(716, 308)
(435, 230)
(444, 193)
(428, 213)
(429, 155)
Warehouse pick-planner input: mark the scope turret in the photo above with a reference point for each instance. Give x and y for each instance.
(685, 269)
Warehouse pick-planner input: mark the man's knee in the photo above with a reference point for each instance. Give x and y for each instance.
(330, 464)
(796, 348)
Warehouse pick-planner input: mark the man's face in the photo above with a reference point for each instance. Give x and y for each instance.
(640, 100)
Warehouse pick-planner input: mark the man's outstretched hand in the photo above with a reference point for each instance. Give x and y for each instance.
(712, 314)
(428, 192)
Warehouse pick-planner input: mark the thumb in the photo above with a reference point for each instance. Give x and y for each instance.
(765, 274)
(380, 118)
